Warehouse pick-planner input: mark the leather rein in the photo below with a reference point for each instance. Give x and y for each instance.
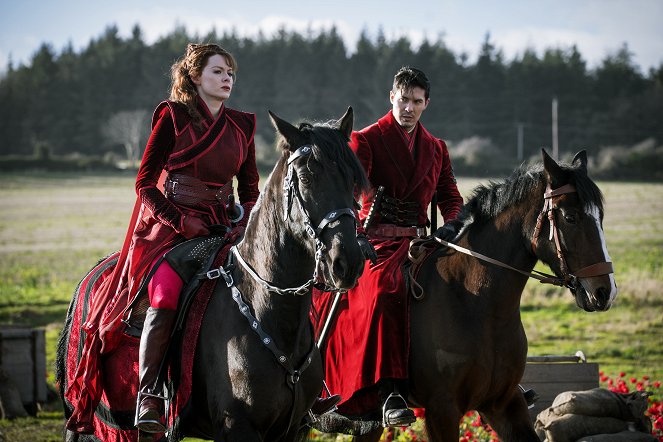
(568, 279)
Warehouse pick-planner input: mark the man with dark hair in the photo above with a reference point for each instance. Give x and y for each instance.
(366, 354)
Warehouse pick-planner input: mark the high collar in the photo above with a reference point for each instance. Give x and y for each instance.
(205, 112)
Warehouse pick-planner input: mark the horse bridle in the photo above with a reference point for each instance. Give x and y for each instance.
(290, 189)
(569, 279)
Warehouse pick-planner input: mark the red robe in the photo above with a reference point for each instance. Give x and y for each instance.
(370, 337)
(220, 149)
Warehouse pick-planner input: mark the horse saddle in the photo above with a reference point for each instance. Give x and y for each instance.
(189, 259)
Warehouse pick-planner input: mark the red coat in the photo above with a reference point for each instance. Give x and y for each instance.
(370, 338)
(220, 149)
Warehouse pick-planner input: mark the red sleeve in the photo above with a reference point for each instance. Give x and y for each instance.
(247, 182)
(362, 149)
(158, 148)
(449, 199)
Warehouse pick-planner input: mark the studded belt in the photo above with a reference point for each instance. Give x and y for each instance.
(188, 190)
(392, 230)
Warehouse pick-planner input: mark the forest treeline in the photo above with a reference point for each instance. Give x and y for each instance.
(72, 101)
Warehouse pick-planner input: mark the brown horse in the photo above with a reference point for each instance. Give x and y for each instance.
(468, 346)
(257, 369)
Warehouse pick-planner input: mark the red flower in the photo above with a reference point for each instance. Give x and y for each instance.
(658, 423)
(657, 384)
(622, 374)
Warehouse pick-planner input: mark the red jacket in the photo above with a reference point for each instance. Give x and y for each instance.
(370, 338)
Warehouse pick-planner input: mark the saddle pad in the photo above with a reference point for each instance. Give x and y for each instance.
(114, 416)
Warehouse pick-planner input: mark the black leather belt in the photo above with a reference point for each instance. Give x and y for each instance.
(188, 190)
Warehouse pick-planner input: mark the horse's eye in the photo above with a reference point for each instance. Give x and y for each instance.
(570, 217)
(305, 179)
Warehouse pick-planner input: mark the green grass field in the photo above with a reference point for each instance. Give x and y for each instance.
(53, 228)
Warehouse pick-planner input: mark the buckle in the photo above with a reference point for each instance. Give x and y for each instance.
(213, 274)
(171, 185)
(421, 232)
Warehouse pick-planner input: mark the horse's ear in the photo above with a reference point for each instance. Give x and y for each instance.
(554, 173)
(347, 122)
(580, 160)
(291, 134)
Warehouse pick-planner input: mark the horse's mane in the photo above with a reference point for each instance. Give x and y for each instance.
(331, 146)
(487, 201)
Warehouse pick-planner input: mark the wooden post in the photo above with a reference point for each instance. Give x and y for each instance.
(555, 147)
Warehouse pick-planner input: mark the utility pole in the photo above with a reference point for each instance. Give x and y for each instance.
(519, 152)
(555, 147)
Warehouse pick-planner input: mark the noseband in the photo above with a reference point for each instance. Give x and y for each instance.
(569, 279)
(290, 189)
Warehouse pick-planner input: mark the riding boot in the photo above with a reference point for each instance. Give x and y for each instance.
(325, 405)
(153, 345)
(530, 395)
(395, 412)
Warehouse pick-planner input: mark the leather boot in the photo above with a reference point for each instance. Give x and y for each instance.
(395, 412)
(530, 395)
(325, 405)
(153, 345)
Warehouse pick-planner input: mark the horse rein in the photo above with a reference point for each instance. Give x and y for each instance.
(568, 279)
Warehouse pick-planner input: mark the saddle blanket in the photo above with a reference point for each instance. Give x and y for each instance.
(115, 414)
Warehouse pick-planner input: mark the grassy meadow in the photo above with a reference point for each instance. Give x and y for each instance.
(53, 228)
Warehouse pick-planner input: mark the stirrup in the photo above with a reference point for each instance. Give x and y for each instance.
(395, 412)
(149, 424)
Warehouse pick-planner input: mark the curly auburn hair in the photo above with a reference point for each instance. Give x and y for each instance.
(182, 88)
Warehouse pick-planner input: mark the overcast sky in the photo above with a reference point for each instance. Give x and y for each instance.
(598, 27)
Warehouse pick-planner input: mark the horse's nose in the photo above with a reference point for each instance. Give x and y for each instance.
(345, 268)
(602, 299)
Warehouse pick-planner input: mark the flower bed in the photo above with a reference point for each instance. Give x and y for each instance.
(472, 428)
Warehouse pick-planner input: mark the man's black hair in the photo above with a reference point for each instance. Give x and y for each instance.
(407, 77)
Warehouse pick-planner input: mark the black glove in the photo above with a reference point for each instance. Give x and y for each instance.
(367, 248)
(447, 232)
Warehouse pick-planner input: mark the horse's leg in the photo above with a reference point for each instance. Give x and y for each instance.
(373, 436)
(234, 427)
(512, 423)
(442, 421)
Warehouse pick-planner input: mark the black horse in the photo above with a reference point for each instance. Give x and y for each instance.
(468, 346)
(257, 370)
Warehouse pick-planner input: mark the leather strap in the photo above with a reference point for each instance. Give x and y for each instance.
(392, 230)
